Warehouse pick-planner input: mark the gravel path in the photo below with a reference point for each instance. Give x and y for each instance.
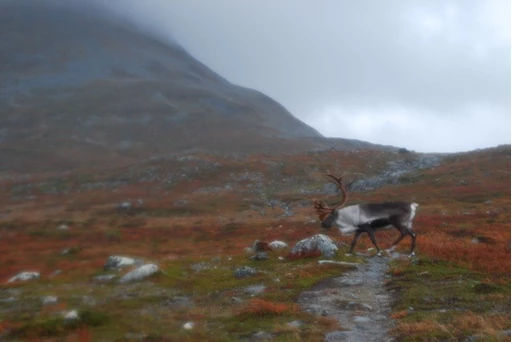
(358, 300)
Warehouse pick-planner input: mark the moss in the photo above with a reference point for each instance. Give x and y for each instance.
(435, 293)
(55, 326)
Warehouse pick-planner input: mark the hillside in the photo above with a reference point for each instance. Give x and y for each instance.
(81, 88)
(194, 216)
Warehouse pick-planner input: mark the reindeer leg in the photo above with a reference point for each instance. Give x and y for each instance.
(393, 245)
(371, 233)
(412, 234)
(403, 232)
(354, 241)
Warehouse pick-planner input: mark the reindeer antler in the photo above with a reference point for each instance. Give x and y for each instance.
(323, 209)
(338, 181)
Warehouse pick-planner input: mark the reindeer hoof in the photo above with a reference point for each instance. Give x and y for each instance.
(412, 254)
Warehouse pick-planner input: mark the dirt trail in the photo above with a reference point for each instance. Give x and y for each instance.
(358, 300)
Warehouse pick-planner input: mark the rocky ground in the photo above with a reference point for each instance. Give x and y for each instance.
(358, 300)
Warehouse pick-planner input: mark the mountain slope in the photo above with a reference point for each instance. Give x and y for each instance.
(79, 87)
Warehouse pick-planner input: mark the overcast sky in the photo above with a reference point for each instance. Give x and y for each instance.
(431, 76)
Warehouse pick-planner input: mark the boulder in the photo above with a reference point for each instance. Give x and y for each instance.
(140, 273)
(24, 276)
(278, 244)
(118, 262)
(318, 242)
(244, 272)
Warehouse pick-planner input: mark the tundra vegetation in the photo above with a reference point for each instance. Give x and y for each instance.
(193, 217)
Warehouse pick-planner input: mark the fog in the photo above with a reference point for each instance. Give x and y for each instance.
(430, 76)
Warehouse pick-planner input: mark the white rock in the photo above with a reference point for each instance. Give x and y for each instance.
(140, 273)
(49, 300)
(188, 325)
(24, 276)
(117, 261)
(63, 227)
(278, 244)
(318, 242)
(71, 315)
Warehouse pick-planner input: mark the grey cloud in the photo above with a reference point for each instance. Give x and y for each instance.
(437, 61)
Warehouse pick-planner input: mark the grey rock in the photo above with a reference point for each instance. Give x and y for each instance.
(278, 244)
(337, 336)
(201, 266)
(260, 256)
(255, 289)
(236, 300)
(294, 324)
(318, 242)
(362, 319)
(62, 227)
(24, 276)
(71, 315)
(244, 272)
(140, 273)
(47, 300)
(261, 336)
(117, 261)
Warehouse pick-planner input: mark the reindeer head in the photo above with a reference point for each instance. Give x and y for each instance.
(326, 214)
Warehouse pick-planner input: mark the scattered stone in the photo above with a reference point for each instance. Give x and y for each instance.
(294, 324)
(244, 272)
(260, 256)
(248, 250)
(47, 300)
(140, 273)
(236, 300)
(104, 278)
(261, 336)
(124, 207)
(255, 289)
(336, 336)
(278, 244)
(188, 326)
(318, 242)
(362, 319)
(201, 266)
(62, 227)
(350, 282)
(24, 276)
(71, 315)
(116, 261)
(8, 300)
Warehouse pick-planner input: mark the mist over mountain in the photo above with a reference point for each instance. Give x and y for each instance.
(80, 86)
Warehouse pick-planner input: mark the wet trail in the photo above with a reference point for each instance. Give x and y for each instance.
(358, 300)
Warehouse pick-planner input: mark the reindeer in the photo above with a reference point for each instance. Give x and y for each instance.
(368, 217)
